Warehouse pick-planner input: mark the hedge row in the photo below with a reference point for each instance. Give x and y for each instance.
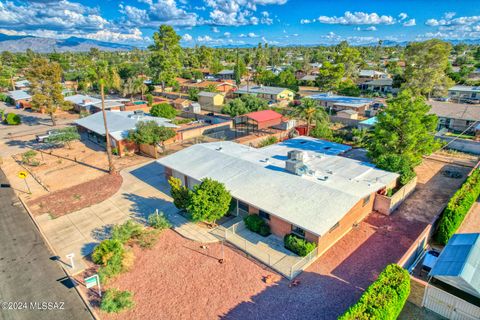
(458, 207)
(256, 224)
(384, 299)
(298, 245)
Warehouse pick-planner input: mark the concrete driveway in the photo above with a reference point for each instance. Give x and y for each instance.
(144, 189)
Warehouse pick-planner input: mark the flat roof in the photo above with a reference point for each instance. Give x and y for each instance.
(261, 90)
(19, 95)
(465, 88)
(82, 100)
(341, 99)
(315, 201)
(461, 111)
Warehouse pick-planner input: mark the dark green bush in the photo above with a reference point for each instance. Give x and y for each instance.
(256, 224)
(115, 301)
(126, 231)
(298, 245)
(384, 299)
(13, 119)
(458, 207)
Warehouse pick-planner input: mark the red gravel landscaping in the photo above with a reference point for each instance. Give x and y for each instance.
(74, 198)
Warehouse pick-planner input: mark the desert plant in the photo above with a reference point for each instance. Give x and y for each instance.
(28, 158)
(115, 301)
(158, 220)
(13, 119)
(298, 245)
(106, 250)
(126, 231)
(268, 141)
(383, 299)
(148, 238)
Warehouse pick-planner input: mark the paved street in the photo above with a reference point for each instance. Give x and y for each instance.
(143, 190)
(27, 274)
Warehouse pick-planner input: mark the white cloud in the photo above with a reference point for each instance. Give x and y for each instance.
(239, 12)
(403, 16)
(357, 18)
(306, 21)
(204, 39)
(468, 20)
(371, 28)
(252, 35)
(215, 30)
(187, 37)
(409, 23)
(227, 34)
(449, 15)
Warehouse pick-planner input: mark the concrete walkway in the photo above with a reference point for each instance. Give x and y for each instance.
(143, 190)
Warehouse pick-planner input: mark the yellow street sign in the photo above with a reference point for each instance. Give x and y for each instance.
(23, 174)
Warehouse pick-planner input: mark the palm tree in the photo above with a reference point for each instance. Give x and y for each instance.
(105, 75)
(309, 111)
(129, 88)
(140, 86)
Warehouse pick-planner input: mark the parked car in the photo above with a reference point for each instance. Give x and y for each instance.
(43, 137)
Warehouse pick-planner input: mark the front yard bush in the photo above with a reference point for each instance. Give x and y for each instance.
(179, 193)
(13, 119)
(209, 201)
(148, 238)
(384, 299)
(115, 301)
(256, 224)
(158, 221)
(126, 231)
(298, 245)
(106, 250)
(458, 207)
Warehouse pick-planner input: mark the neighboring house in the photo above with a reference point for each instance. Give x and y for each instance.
(269, 93)
(367, 75)
(336, 103)
(367, 124)
(454, 289)
(299, 186)
(181, 103)
(119, 124)
(348, 114)
(22, 84)
(462, 93)
(225, 75)
(82, 103)
(211, 101)
(308, 78)
(223, 87)
(17, 97)
(455, 116)
(384, 85)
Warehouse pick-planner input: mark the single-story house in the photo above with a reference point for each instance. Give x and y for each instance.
(119, 124)
(383, 85)
(223, 86)
(461, 92)
(181, 103)
(300, 186)
(347, 114)
(455, 116)
(338, 103)
(82, 102)
(16, 97)
(226, 75)
(308, 78)
(211, 101)
(367, 75)
(22, 84)
(269, 93)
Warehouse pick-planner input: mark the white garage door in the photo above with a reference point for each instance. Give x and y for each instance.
(448, 305)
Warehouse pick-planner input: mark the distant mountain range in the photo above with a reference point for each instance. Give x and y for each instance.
(45, 45)
(74, 44)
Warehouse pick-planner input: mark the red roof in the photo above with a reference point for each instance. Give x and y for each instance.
(264, 115)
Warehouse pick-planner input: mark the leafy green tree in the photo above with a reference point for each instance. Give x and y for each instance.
(244, 104)
(404, 132)
(64, 136)
(149, 100)
(351, 60)
(164, 63)
(179, 193)
(310, 112)
(329, 76)
(209, 201)
(427, 63)
(216, 66)
(193, 94)
(45, 84)
(239, 70)
(164, 110)
(149, 132)
(13, 119)
(349, 88)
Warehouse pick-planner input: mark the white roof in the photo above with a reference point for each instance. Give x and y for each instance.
(258, 177)
(22, 83)
(465, 88)
(82, 100)
(119, 123)
(370, 73)
(19, 95)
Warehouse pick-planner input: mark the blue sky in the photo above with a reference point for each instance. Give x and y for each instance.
(223, 22)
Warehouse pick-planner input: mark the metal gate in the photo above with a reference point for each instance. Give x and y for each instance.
(448, 305)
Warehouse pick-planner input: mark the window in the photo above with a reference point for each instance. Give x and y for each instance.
(243, 206)
(334, 227)
(264, 215)
(298, 231)
(366, 200)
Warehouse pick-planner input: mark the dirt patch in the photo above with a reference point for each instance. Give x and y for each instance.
(77, 197)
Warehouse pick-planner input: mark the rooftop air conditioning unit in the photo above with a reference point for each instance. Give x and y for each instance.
(295, 167)
(296, 155)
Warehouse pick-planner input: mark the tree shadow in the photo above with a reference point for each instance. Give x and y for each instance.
(87, 249)
(152, 174)
(316, 296)
(142, 207)
(102, 233)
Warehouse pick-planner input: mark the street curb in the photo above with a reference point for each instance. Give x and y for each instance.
(50, 247)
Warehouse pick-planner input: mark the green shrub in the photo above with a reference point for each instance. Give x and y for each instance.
(458, 207)
(2, 115)
(148, 238)
(158, 221)
(384, 299)
(179, 193)
(164, 110)
(112, 267)
(268, 141)
(115, 151)
(106, 250)
(29, 158)
(126, 231)
(13, 119)
(209, 201)
(298, 245)
(256, 224)
(115, 301)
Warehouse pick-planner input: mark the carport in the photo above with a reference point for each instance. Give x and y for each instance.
(258, 120)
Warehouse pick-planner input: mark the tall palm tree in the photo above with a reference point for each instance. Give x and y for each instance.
(129, 88)
(309, 111)
(140, 86)
(105, 75)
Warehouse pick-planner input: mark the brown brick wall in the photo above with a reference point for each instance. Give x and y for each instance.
(279, 227)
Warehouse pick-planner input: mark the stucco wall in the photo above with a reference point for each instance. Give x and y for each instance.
(417, 291)
(386, 205)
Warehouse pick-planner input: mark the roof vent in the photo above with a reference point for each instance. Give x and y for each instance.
(323, 178)
(219, 149)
